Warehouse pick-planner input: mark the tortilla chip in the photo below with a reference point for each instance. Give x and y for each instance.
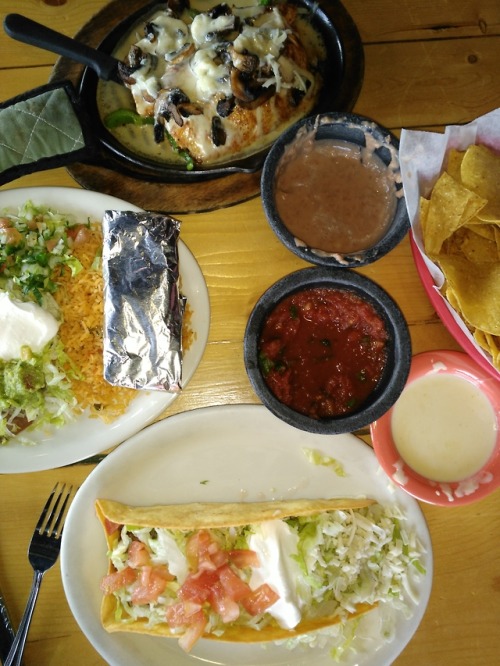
(460, 226)
(454, 163)
(480, 172)
(451, 206)
(476, 288)
(490, 343)
(424, 211)
(477, 248)
(479, 227)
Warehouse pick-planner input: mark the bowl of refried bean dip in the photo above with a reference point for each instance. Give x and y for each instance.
(332, 191)
(327, 350)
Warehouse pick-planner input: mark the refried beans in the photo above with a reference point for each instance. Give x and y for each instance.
(333, 195)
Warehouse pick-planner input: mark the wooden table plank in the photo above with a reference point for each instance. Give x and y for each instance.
(414, 84)
(428, 64)
(409, 20)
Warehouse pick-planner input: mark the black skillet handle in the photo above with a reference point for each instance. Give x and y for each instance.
(30, 32)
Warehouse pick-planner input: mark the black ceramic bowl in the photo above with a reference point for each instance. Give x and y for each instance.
(398, 346)
(356, 130)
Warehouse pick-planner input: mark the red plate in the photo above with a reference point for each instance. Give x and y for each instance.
(443, 309)
(445, 494)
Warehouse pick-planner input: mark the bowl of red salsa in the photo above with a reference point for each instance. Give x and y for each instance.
(327, 350)
(332, 191)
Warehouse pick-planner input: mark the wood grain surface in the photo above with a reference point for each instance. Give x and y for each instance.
(427, 64)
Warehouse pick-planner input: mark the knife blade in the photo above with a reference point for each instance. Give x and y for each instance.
(7, 632)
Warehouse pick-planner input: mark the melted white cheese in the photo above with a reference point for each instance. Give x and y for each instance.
(203, 27)
(265, 39)
(275, 543)
(23, 325)
(211, 77)
(172, 38)
(444, 427)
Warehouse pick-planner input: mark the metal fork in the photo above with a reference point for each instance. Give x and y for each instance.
(43, 552)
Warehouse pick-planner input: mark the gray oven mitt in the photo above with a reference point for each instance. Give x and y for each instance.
(42, 129)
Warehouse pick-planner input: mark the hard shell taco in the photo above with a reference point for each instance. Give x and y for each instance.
(244, 572)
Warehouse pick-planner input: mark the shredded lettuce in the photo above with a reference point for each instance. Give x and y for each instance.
(37, 389)
(319, 458)
(35, 243)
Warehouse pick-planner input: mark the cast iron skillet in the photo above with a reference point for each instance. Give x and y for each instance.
(342, 75)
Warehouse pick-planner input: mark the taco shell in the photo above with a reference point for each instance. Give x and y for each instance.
(205, 516)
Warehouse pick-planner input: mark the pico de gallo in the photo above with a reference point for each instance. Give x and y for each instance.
(322, 351)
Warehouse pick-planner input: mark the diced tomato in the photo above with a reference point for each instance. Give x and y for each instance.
(194, 631)
(118, 579)
(204, 553)
(260, 599)
(78, 233)
(223, 604)
(236, 588)
(150, 584)
(181, 613)
(242, 558)
(138, 555)
(218, 556)
(110, 526)
(51, 243)
(12, 236)
(197, 586)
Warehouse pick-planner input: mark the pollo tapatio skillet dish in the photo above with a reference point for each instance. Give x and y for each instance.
(340, 73)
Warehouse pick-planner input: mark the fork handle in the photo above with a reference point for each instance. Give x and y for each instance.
(15, 656)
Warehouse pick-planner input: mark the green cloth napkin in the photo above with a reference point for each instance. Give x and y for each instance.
(42, 129)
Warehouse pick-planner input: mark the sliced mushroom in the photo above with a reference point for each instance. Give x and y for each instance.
(218, 133)
(225, 106)
(265, 94)
(295, 96)
(244, 62)
(136, 59)
(159, 131)
(177, 6)
(151, 31)
(244, 86)
(126, 72)
(172, 104)
(166, 105)
(187, 109)
(222, 9)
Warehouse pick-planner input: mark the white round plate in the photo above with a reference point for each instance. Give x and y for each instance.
(86, 437)
(226, 453)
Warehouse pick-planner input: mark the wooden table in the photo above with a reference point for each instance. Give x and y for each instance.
(428, 64)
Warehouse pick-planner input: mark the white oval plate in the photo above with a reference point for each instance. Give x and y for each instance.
(226, 453)
(87, 436)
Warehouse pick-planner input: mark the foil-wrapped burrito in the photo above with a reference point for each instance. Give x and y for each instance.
(143, 307)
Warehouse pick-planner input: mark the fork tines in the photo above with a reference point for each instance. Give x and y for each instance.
(54, 511)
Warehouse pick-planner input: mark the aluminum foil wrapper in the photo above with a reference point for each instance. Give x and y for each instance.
(143, 308)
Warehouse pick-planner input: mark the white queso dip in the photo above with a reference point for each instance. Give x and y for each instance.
(444, 427)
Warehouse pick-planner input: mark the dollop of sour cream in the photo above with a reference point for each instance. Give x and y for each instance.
(23, 325)
(275, 543)
(165, 549)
